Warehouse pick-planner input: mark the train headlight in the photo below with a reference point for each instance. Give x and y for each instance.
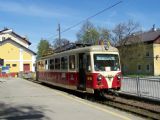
(99, 77)
(119, 76)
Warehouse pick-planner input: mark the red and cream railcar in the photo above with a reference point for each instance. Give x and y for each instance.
(85, 69)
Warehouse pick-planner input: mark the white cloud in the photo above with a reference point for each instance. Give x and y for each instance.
(30, 10)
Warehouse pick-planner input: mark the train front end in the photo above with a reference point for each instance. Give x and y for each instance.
(106, 71)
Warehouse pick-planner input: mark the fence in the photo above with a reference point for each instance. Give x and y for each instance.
(29, 75)
(142, 87)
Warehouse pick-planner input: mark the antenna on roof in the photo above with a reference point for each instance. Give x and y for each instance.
(5, 28)
(153, 28)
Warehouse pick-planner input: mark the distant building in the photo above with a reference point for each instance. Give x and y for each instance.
(15, 52)
(149, 63)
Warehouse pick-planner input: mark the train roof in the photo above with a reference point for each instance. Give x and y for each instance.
(85, 48)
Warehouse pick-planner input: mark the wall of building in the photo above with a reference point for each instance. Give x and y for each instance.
(14, 54)
(134, 58)
(9, 51)
(156, 59)
(29, 58)
(27, 55)
(12, 64)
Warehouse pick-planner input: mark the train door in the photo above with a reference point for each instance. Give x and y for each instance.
(82, 72)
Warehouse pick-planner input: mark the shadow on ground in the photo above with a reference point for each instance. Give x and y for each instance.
(8, 112)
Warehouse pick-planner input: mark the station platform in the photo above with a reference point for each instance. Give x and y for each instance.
(22, 99)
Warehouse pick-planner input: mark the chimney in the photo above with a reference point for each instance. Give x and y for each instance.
(153, 28)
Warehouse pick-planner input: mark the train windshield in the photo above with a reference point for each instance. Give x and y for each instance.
(106, 62)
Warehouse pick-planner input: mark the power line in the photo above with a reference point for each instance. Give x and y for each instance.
(90, 17)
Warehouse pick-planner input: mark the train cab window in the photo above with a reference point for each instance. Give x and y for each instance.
(106, 62)
(64, 63)
(72, 62)
(57, 63)
(51, 64)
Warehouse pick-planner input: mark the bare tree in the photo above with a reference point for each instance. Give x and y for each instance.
(58, 43)
(129, 42)
(123, 31)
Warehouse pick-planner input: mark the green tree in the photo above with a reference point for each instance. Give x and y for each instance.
(105, 34)
(43, 48)
(88, 33)
(123, 31)
(91, 34)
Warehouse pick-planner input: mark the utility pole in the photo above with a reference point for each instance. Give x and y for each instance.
(59, 34)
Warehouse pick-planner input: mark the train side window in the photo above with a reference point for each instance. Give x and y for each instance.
(57, 63)
(51, 64)
(64, 63)
(38, 65)
(42, 65)
(72, 62)
(46, 64)
(88, 63)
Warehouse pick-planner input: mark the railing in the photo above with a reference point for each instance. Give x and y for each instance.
(29, 75)
(142, 87)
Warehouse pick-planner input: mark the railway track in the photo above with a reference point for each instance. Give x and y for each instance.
(139, 106)
(143, 108)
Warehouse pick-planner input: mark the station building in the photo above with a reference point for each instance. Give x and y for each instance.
(143, 61)
(15, 52)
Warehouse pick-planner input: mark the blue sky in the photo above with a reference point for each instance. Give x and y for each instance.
(38, 19)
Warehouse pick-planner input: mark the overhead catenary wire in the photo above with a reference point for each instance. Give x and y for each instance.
(88, 18)
(91, 16)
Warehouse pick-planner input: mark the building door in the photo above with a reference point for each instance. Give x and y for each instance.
(82, 72)
(26, 67)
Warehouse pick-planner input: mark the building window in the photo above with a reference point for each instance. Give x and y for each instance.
(148, 68)
(139, 67)
(124, 68)
(147, 54)
(34, 64)
(64, 63)
(14, 65)
(72, 62)
(3, 38)
(8, 65)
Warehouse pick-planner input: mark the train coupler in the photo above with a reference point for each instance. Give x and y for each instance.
(113, 92)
